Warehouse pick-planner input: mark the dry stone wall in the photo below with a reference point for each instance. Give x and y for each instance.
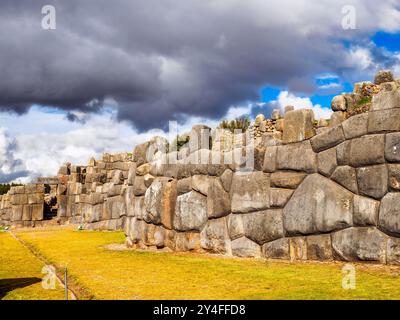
(294, 188)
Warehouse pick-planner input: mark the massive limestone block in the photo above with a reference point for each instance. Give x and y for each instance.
(16, 212)
(201, 183)
(392, 147)
(263, 226)
(298, 125)
(190, 212)
(343, 153)
(384, 120)
(318, 205)
(327, 161)
(389, 213)
(140, 208)
(365, 211)
(277, 249)
(327, 139)
(214, 237)
(373, 181)
(319, 247)
(346, 176)
(289, 180)
(297, 156)
(393, 251)
(226, 179)
(249, 191)
(245, 248)
(218, 200)
(270, 159)
(386, 99)
(114, 207)
(131, 173)
(367, 150)
(235, 226)
(363, 243)
(159, 200)
(143, 169)
(355, 126)
(139, 187)
(118, 177)
(140, 153)
(113, 189)
(279, 197)
(394, 176)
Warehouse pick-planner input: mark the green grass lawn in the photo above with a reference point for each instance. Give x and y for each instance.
(20, 273)
(101, 273)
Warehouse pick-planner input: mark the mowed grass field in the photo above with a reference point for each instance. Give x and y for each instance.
(100, 273)
(21, 273)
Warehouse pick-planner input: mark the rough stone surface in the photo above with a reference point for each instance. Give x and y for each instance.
(367, 150)
(389, 213)
(318, 205)
(328, 139)
(270, 159)
(298, 125)
(214, 236)
(327, 162)
(386, 100)
(201, 183)
(392, 147)
(355, 126)
(279, 197)
(347, 177)
(249, 191)
(277, 249)
(235, 226)
(218, 200)
(190, 212)
(339, 103)
(343, 153)
(393, 251)
(289, 180)
(297, 156)
(243, 247)
(394, 176)
(263, 226)
(373, 181)
(363, 243)
(226, 179)
(319, 247)
(383, 76)
(365, 211)
(384, 120)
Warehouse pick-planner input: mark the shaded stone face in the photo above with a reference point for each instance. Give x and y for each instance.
(328, 139)
(355, 126)
(355, 244)
(346, 177)
(263, 226)
(373, 181)
(392, 147)
(249, 191)
(318, 205)
(277, 249)
(298, 125)
(319, 247)
(365, 211)
(214, 237)
(389, 214)
(243, 247)
(297, 156)
(327, 162)
(367, 150)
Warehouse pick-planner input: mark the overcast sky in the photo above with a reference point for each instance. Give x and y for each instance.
(113, 73)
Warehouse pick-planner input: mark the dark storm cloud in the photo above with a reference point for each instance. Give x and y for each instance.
(164, 60)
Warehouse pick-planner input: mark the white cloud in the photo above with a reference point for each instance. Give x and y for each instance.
(285, 99)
